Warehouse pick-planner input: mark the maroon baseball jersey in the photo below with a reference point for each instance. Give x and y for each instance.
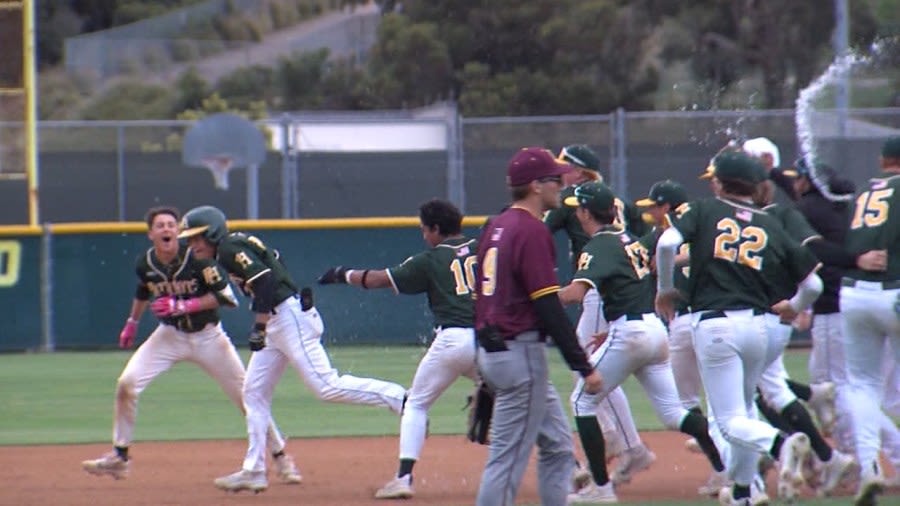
(516, 265)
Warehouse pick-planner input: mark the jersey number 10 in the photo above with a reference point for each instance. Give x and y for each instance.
(464, 274)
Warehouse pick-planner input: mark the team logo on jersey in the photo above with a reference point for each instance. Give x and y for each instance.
(464, 251)
(496, 234)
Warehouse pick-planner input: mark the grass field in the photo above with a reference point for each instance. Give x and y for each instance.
(65, 398)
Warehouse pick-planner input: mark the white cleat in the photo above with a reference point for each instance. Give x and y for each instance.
(693, 446)
(254, 481)
(594, 494)
(287, 469)
(631, 462)
(397, 488)
(110, 464)
(727, 499)
(758, 496)
(794, 452)
(822, 404)
(716, 482)
(833, 472)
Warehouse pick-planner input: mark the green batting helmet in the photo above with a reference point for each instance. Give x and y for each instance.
(207, 221)
(582, 157)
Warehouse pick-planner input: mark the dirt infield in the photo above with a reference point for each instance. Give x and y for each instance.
(335, 472)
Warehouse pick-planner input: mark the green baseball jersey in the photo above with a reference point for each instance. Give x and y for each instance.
(563, 218)
(618, 266)
(782, 285)
(446, 273)
(732, 243)
(185, 277)
(681, 274)
(246, 258)
(876, 225)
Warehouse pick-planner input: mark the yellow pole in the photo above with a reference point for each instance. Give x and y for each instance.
(30, 78)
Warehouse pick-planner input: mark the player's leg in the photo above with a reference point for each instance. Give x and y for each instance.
(519, 377)
(451, 355)
(158, 353)
(684, 362)
(306, 353)
(891, 373)
(555, 456)
(868, 317)
(828, 375)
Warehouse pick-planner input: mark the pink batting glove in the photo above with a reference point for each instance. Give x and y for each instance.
(126, 337)
(168, 305)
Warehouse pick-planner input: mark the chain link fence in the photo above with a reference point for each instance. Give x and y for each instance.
(114, 171)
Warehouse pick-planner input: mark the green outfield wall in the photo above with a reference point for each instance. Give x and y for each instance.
(70, 286)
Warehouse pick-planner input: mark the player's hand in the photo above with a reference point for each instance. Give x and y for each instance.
(126, 337)
(785, 311)
(665, 303)
(596, 342)
(803, 321)
(165, 306)
(873, 260)
(257, 337)
(593, 382)
(334, 275)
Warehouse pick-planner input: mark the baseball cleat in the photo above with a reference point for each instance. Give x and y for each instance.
(594, 494)
(110, 464)
(758, 496)
(822, 404)
(794, 451)
(716, 482)
(631, 462)
(254, 481)
(726, 498)
(398, 488)
(287, 469)
(871, 483)
(831, 473)
(693, 446)
(581, 477)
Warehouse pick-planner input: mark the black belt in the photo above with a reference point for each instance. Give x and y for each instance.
(682, 312)
(885, 285)
(439, 328)
(709, 315)
(631, 317)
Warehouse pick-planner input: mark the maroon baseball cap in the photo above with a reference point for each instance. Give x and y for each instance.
(534, 163)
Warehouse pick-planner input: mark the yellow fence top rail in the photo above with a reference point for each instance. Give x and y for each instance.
(317, 224)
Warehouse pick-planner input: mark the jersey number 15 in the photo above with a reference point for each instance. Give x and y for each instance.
(872, 208)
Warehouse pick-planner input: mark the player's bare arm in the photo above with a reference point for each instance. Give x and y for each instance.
(573, 293)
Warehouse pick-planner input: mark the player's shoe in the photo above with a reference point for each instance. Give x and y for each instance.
(693, 446)
(822, 404)
(726, 498)
(581, 477)
(254, 481)
(758, 496)
(631, 462)
(615, 443)
(716, 482)
(110, 464)
(794, 451)
(594, 494)
(871, 483)
(398, 488)
(831, 473)
(287, 469)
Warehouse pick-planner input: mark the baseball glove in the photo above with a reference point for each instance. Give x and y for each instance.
(481, 409)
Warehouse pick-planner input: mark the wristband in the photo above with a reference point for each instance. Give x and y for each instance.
(347, 276)
(364, 276)
(131, 320)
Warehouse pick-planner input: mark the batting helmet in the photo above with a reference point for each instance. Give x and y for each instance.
(208, 221)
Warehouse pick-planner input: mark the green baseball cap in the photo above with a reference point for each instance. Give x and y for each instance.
(739, 166)
(665, 192)
(583, 158)
(594, 196)
(891, 148)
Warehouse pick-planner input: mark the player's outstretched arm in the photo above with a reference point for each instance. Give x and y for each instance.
(367, 278)
(129, 330)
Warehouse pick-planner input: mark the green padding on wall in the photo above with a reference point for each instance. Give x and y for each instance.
(20, 293)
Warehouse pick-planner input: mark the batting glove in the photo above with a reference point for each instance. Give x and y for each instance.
(257, 337)
(334, 275)
(168, 306)
(126, 337)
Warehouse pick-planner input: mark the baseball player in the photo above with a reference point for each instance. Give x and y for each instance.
(446, 272)
(287, 330)
(614, 413)
(870, 304)
(186, 293)
(615, 264)
(731, 240)
(516, 308)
